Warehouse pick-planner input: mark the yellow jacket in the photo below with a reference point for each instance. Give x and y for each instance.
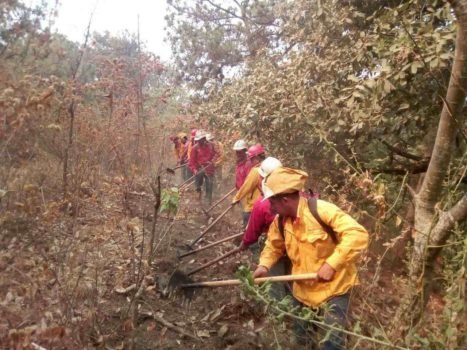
(309, 246)
(178, 151)
(190, 147)
(249, 192)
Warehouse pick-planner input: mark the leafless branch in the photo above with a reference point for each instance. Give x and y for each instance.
(220, 8)
(401, 152)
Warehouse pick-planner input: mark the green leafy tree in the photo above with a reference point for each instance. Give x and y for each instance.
(384, 91)
(209, 38)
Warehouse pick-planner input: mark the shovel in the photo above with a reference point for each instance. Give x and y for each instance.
(172, 170)
(236, 282)
(219, 201)
(188, 286)
(210, 245)
(206, 230)
(180, 278)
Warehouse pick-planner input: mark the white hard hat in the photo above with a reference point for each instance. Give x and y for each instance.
(268, 166)
(240, 145)
(200, 134)
(209, 137)
(267, 192)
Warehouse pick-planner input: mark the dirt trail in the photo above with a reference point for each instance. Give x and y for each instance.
(66, 277)
(63, 278)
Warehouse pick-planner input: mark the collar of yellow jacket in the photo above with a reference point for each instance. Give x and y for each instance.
(284, 180)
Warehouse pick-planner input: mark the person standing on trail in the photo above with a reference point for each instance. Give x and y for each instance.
(243, 164)
(183, 156)
(202, 159)
(318, 237)
(261, 215)
(177, 146)
(191, 143)
(219, 148)
(251, 188)
(261, 218)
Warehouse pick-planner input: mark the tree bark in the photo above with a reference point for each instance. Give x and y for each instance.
(72, 108)
(432, 229)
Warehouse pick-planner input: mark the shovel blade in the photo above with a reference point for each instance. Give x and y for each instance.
(178, 279)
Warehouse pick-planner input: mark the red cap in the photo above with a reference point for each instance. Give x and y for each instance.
(255, 150)
(193, 132)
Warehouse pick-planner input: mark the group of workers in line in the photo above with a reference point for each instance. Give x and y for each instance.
(200, 156)
(304, 234)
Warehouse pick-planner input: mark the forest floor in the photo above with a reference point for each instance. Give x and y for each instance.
(66, 277)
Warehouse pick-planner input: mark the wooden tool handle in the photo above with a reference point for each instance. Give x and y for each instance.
(225, 283)
(212, 262)
(220, 200)
(212, 225)
(211, 245)
(186, 186)
(187, 182)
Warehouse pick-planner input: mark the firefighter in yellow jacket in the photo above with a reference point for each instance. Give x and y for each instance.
(251, 187)
(298, 233)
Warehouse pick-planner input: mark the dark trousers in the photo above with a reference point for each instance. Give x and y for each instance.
(279, 291)
(186, 172)
(208, 181)
(335, 313)
(245, 218)
(218, 179)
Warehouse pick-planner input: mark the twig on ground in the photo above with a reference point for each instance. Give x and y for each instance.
(169, 325)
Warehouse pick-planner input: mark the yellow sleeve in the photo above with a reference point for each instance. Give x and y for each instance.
(353, 238)
(190, 147)
(249, 186)
(274, 248)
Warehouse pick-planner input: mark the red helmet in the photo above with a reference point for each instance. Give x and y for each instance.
(193, 132)
(255, 150)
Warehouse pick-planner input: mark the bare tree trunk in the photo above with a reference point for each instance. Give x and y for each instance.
(156, 190)
(431, 228)
(71, 111)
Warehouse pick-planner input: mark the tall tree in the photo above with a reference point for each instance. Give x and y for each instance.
(210, 37)
(369, 87)
(433, 224)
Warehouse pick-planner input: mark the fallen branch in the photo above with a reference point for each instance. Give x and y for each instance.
(168, 324)
(125, 290)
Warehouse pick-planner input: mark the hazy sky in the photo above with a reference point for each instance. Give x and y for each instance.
(115, 16)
